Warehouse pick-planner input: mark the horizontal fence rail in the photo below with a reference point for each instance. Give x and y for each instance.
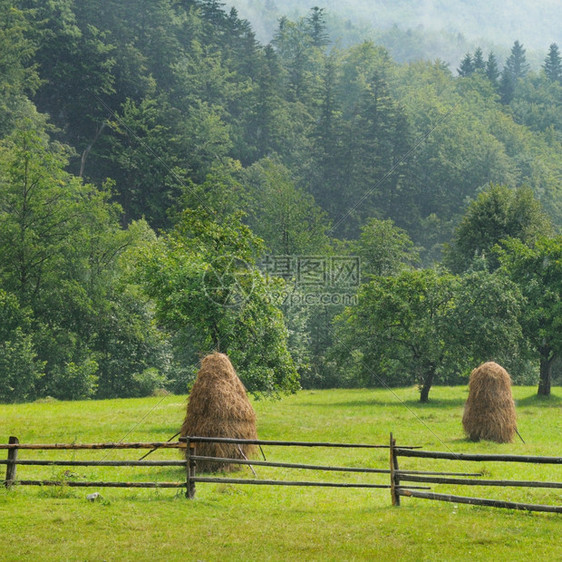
(291, 465)
(481, 501)
(94, 463)
(77, 446)
(400, 476)
(407, 452)
(198, 439)
(192, 458)
(75, 484)
(292, 483)
(468, 482)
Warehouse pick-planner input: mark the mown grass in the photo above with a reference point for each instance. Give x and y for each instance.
(280, 523)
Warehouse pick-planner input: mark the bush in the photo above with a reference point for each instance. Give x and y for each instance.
(147, 382)
(75, 381)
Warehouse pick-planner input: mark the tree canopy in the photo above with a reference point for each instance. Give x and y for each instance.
(154, 154)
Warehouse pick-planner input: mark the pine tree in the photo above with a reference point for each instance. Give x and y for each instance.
(316, 23)
(467, 66)
(553, 64)
(516, 63)
(327, 172)
(507, 87)
(263, 124)
(492, 71)
(516, 67)
(478, 61)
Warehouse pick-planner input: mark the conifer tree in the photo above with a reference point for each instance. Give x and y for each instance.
(553, 64)
(492, 71)
(478, 61)
(316, 23)
(516, 63)
(467, 66)
(516, 67)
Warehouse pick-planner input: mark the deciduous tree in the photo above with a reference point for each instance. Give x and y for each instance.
(537, 270)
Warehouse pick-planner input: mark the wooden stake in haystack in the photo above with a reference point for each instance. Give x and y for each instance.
(489, 412)
(218, 406)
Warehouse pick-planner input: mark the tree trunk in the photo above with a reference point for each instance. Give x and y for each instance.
(427, 382)
(545, 378)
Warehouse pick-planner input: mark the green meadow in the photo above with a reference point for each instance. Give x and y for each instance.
(229, 522)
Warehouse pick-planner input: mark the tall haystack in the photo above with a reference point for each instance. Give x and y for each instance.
(218, 406)
(489, 412)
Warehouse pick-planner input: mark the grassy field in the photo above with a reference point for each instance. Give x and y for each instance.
(227, 522)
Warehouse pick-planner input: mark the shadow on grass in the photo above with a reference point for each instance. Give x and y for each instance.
(552, 401)
(436, 403)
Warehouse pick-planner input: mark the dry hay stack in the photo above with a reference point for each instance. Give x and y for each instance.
(489, 412)
(218, 406)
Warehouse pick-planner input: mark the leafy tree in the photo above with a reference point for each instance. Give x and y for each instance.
(285, 217)
(485, 321)
(20, 369)
(142, 151)
(553, 64)
(61, 241)
(40, 212)
(460, 152)
(422, 325)
(202, 278)
(384, 248)
(397, 333)
(496, 214)
(538, 272)
(536, 106)
(18, 77)
(134, 357)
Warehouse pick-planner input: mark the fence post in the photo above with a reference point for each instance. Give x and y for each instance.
(394, 478)
(190, 470)
(12, 464)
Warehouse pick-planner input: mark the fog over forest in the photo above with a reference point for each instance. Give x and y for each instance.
(442, 28)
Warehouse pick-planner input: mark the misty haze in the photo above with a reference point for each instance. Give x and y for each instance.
(443, 27)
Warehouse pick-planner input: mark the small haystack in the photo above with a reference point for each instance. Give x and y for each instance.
(489, 412)
(218, 406)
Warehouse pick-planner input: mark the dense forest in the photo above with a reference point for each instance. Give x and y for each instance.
(428, 29)
(326, 215)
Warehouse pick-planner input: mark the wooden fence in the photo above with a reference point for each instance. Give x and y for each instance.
(397, 485)
(12, 462)
(398, 476)
(189, 464)
(192, 458)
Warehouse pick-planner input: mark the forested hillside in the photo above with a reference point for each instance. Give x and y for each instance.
(431, 29)
(154, 155)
